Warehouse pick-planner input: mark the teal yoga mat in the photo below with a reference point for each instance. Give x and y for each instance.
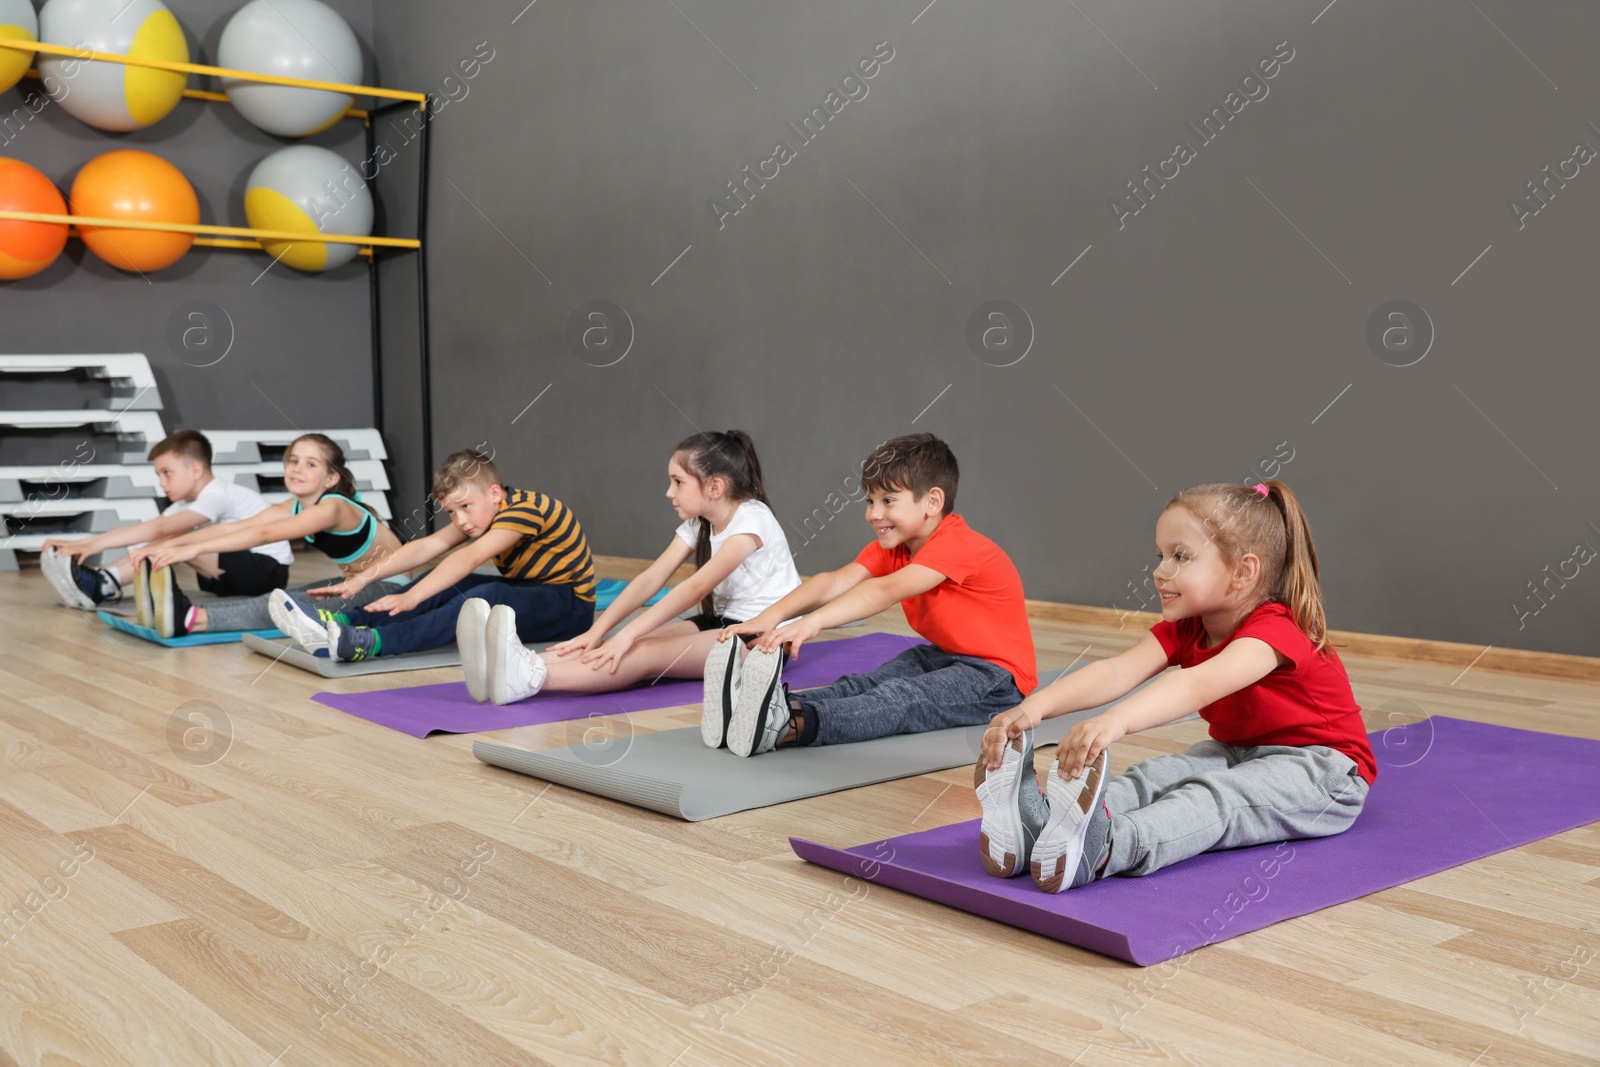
(221, 637)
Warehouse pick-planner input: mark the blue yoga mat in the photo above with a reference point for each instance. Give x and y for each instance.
(220, 637)
(608, 589)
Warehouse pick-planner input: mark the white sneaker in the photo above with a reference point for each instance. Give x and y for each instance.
(513, 672)
(724, 666)
(762, 716)
(144, 605)
(471, 637)
(1072, 843)
(1005, 838)
(57, 570)
(288, 616)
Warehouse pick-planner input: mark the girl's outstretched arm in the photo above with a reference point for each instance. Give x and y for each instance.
(243, 535)
(280, 510)
(644, 585)
(683, 597)
(1243, 663)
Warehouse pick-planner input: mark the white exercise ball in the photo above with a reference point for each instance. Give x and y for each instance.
(113, 96)
(302, 39)
(311, 190)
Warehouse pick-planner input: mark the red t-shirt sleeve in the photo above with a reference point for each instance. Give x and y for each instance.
(1277, 629)
(1167, 633)
(951, 558)
(876, 560)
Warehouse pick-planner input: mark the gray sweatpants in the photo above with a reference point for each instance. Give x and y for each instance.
(250, 612)
(923, 688)
(1215, 796)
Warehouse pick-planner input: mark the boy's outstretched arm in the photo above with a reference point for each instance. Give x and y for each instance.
(861, 600)
(454, 567)
(812, 593)
(408, 556)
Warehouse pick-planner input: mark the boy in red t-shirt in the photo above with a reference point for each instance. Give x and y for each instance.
(1288, 756)
(959, 590)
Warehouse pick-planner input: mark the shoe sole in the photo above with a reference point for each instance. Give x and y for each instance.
(142, 604)
(57, 570)
(1060, 843)
(472, 626)
(160, 587)
(756, 683)
(723, 667)
(501, 620)
(284, 618)
(1000, 833)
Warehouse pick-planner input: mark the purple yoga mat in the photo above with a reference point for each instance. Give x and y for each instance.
(424, 709)
(1448, 791)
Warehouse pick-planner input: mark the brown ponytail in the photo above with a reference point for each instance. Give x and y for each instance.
(1240, 520)
(729, 455)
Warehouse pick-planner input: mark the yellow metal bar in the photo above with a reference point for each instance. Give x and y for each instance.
(217, 72)
(204, 94)
(228, 242)
(218, 231)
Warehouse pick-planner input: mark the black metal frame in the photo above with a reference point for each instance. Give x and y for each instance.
(422, 296)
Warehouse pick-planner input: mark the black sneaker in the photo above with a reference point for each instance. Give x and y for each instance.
(348, 644)
(170, 606)
(724, 668)
(762, 715)
(67, 579)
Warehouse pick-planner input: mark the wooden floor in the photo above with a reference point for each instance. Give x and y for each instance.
(318, 890)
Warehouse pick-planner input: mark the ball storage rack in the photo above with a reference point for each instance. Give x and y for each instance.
(244, 237)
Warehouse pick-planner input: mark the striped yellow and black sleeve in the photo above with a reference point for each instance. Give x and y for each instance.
(551, 549)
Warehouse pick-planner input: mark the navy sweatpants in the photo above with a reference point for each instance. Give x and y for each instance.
(544, 613)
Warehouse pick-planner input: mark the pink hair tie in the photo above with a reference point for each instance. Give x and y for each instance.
(1262, 489)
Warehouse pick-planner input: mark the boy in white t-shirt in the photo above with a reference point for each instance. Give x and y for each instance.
(742, 566)
(183, 464)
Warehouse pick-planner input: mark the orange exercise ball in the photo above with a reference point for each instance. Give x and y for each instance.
(130, 184)
(27, 248)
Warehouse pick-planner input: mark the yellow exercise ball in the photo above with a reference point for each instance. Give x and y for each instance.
(113, 96)
(17, 23)
(311, 190)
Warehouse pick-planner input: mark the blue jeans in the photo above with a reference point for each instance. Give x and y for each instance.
(544, 613)
(923, 688)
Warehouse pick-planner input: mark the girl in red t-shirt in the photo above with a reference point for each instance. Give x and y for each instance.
(1241, 614)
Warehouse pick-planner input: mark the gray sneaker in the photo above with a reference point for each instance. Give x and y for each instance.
(1078, 834)
(288, 616)
(761, 717)
(724, 668)
(1009, 829)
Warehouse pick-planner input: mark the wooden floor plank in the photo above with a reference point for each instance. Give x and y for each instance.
(306, 894)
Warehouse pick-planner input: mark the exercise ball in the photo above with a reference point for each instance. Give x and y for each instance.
(18, 23)
(293, 39)
(113, 96)
(313, 190)
(28, 247)
(130, 184)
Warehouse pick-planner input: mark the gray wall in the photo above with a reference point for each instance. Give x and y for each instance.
(301, 353)
(1183, 347)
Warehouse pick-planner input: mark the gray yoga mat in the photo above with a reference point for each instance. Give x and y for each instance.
(295, 656)
(673, 771)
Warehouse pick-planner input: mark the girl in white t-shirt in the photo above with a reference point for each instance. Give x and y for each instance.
(743, 566)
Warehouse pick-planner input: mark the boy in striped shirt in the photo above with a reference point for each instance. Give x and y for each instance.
(546, 574)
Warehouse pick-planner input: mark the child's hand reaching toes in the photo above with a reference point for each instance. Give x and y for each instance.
(1086, 741)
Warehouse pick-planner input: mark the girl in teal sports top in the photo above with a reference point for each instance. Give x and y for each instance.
(323, 510)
